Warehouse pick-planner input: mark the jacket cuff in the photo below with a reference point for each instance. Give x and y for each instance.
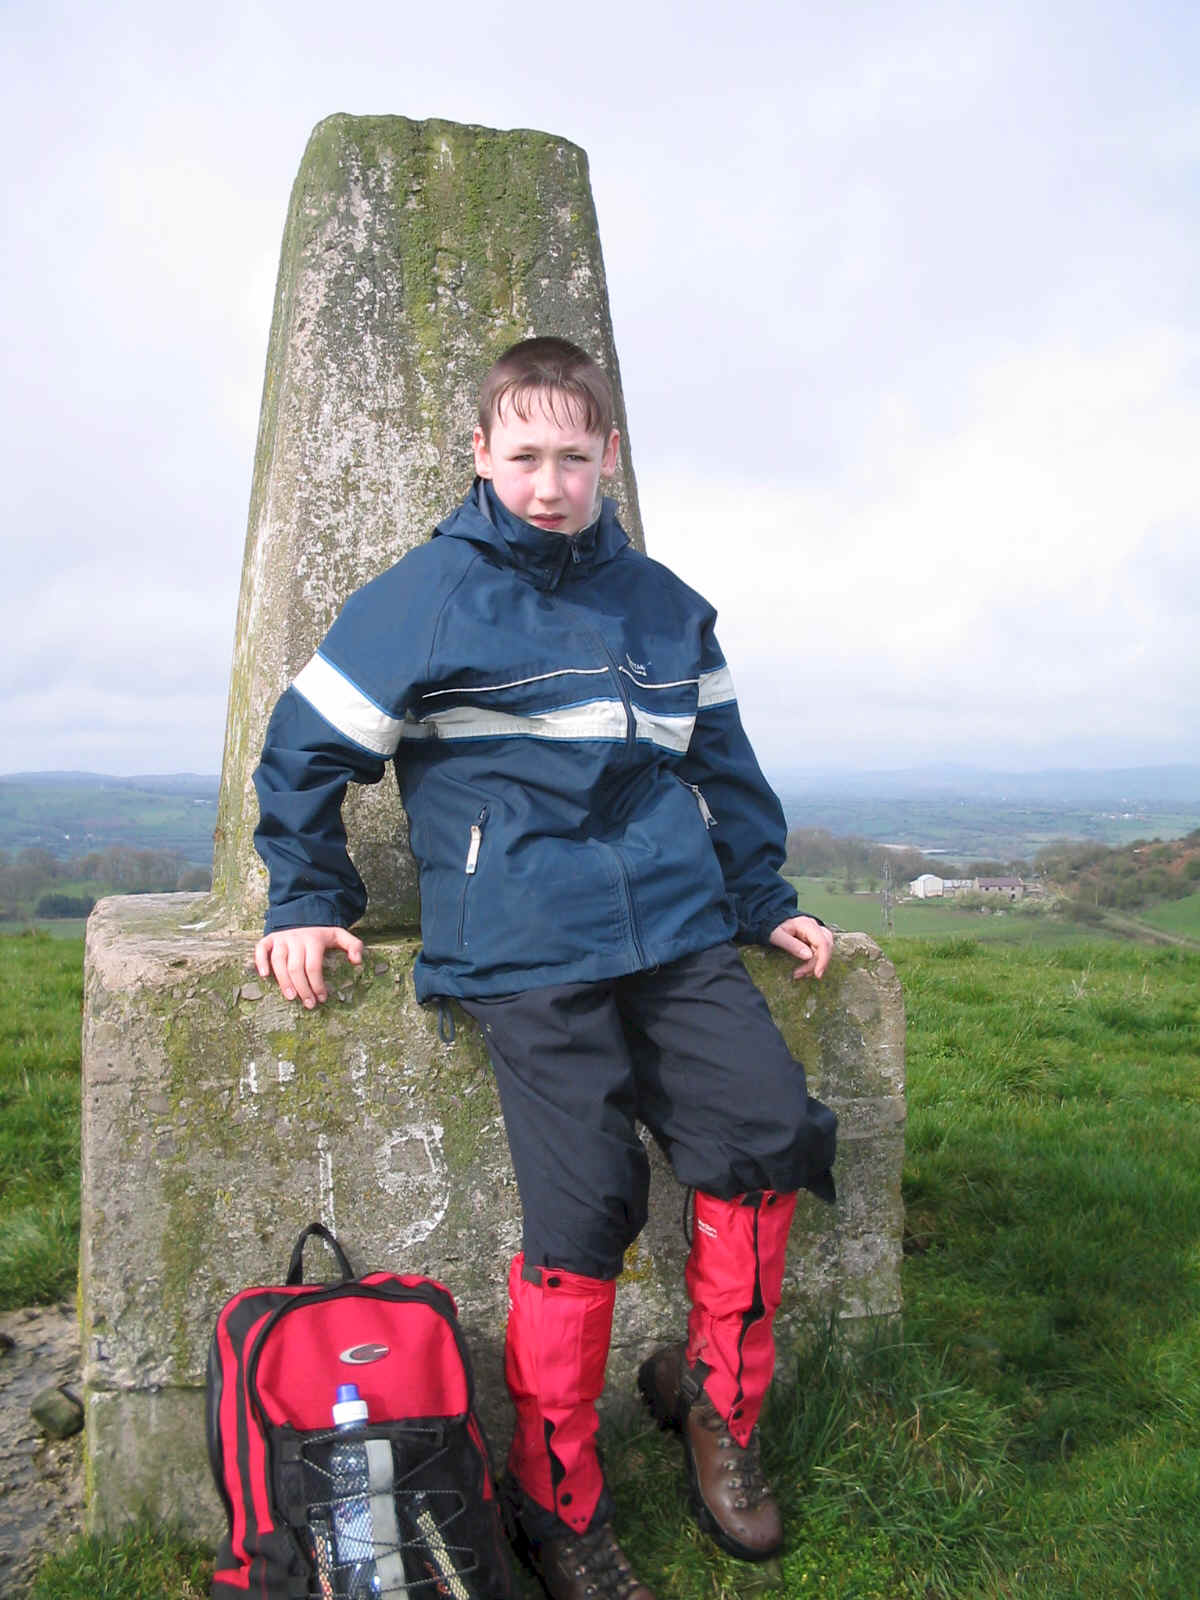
(310, 911)
(763, 934)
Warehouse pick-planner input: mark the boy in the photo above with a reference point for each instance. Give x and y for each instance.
(592, 832)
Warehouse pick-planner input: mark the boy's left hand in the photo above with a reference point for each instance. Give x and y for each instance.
(805, 938)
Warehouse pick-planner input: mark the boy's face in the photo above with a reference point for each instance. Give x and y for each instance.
(547, 470)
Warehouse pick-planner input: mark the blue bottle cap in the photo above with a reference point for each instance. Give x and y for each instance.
(347, 1391)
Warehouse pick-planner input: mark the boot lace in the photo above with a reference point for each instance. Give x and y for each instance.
(600, 1564)
(741, 1466)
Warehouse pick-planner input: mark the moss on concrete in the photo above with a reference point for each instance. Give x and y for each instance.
(851, 1026)
(637, 1267)
(239, 1083)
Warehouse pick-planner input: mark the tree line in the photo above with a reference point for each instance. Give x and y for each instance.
(854, 863)
(1090, 876)
(1126, 877)
(33, 882)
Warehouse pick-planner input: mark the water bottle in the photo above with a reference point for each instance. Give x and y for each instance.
(355, 1575)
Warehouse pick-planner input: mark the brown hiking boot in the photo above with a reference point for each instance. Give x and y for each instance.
(571, 1566)
(585, 1566)
(731, 1498)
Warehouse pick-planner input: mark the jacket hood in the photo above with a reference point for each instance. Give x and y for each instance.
(539, 555)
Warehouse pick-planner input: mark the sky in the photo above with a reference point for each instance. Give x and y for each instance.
(905, 300)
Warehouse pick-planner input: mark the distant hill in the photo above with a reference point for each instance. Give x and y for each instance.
(72, 813)
(963, 813)
(972, 814)
(1149, 788)
(190, 783)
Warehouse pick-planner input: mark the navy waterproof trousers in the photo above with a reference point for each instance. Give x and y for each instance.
(688, 1048)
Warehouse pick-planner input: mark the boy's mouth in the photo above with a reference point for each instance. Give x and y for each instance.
(541, 520)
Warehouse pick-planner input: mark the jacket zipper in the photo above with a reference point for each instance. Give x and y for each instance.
(634, 937)
(474, 842)
(706, 815)
(630, 718)
(473, 847)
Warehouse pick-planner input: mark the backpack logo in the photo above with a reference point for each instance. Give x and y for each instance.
(360, 1355)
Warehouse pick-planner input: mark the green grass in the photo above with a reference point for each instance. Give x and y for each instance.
(1175, 916)
(1034, 1427)
(147, 1564)
(889, 1470)
(41, 986)
(1053, 1206)
(1036, 1430)
(70, 928)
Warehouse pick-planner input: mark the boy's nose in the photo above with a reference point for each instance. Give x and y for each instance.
(546, 481)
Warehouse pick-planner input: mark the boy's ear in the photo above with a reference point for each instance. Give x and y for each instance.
(483, 456)
(608, 462)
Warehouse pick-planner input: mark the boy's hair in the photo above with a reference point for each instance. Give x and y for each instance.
(572, 386)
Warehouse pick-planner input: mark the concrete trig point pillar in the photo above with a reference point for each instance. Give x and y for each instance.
(218, 1120)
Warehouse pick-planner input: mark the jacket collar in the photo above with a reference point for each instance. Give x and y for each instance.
(537, 554)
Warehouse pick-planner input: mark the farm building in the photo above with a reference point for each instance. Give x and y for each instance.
(927, 887)
(1011, 888)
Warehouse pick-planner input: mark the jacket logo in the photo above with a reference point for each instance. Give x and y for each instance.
(635, 666)
(708, 1229)
(359, 1355)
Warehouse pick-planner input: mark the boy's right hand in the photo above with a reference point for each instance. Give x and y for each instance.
(295, 958)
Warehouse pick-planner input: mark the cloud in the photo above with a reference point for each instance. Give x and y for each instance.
(1022, 580)
(78, 727)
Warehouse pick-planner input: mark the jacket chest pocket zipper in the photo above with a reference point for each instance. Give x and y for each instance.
(474, 844)
(473, 848)
(706, 815)
(622, 691)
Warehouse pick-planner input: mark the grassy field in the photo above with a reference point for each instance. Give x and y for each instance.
(41, 988)
(1175, 916)
(52, 927)
(1034, 1429)
(937, 919)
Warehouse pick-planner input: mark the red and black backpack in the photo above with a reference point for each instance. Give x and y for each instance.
(277, 1360)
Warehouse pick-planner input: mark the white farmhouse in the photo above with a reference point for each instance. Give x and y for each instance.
(927, 887)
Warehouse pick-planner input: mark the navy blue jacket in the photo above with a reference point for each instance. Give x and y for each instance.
(583, 801)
